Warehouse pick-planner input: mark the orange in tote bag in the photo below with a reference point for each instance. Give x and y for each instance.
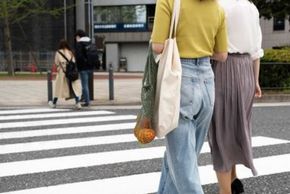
(167, 99)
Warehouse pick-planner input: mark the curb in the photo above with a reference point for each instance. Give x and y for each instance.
(273, 98)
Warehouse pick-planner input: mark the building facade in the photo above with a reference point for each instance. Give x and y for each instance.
(276, 32)
(121, 30)
(126, 27)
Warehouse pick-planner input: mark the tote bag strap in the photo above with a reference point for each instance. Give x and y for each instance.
(174, 18)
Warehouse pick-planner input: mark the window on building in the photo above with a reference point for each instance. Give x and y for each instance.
(150, 16)
(120, 18)
(279, 24)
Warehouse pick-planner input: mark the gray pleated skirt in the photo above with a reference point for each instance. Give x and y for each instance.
(230, 130)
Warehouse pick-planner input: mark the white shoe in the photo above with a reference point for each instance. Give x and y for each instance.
(78, 106)
(51, 105)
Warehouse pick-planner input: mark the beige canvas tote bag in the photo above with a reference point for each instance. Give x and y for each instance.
(167, 100)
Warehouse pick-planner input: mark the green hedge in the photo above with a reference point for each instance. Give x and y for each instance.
(275, 68)
(277, 55)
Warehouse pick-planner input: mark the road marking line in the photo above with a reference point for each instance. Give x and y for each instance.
(23, 111)
(65, 121)
(56, 115)
(102, 140)
(66, 130)
(65, 143)
(78, 161)
(84, 160)
(148, 182)
(274, 104)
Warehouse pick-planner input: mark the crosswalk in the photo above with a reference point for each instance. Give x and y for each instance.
(60, 151)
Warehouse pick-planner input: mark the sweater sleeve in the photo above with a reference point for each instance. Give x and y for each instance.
(221, 43)
(162, 19)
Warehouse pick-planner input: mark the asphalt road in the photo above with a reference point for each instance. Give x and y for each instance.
(52, 151)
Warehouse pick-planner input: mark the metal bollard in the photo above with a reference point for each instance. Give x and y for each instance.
(91, 85)
(111, 83)
(49, 86)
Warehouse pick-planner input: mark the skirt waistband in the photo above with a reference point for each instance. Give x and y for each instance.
(238, 54)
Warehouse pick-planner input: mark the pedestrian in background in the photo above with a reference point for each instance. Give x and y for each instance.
(201, 34)
(63, 87)
(236, 84)
(85, 69)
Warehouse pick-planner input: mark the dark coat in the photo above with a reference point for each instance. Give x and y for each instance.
(81, 56)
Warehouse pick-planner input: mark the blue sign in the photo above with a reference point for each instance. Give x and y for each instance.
(120, 27)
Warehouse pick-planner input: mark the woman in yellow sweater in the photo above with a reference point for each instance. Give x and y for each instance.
(200, 35)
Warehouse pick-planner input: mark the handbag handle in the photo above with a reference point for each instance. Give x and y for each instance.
(174, 18)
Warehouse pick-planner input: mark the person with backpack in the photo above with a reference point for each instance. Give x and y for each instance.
(65, 88)
(84, 65)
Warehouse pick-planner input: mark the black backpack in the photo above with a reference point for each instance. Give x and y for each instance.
(92, 55)
(71, 71)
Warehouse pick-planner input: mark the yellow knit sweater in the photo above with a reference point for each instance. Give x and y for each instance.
(201, 27)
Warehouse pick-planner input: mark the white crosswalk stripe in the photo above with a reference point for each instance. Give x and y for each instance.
(64, 121)
(66, 130)
(16, 142)
(148, 183)
(23, 111)
(57, 115)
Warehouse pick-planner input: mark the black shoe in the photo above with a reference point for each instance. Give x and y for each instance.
(237, 186)
(86, 105)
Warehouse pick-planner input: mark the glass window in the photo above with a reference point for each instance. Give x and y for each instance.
(120, 18)
(279, 24)
(120, 14)
(133, 14)
(107, 15)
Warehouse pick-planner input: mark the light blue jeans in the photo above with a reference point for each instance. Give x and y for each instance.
(85, 84)
(180, 164)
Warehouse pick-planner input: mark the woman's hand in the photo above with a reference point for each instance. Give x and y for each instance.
(157, 47)
(258, 91)
(221, 56)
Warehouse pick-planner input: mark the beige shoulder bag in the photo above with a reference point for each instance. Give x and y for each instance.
(167, 100)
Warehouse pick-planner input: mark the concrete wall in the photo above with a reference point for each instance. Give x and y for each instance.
(274, 38)
(136, 54)
(113, 55)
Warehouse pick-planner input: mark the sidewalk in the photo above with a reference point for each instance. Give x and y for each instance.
(127, 91)
(33, 92)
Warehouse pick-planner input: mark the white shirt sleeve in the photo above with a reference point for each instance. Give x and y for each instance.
(244, 31)
(258, 52)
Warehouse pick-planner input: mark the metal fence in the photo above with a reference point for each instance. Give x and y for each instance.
(28, 61)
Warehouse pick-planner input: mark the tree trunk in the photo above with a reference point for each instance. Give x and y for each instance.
(8, 45)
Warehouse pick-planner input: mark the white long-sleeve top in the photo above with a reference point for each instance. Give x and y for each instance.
(244, 31)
